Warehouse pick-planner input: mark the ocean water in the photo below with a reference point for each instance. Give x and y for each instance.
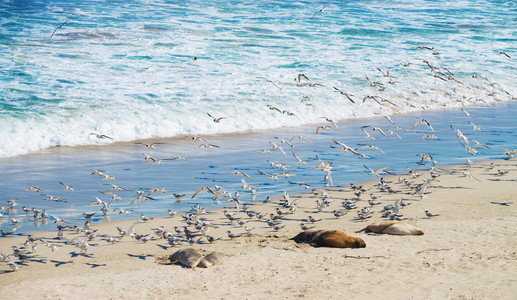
(152, 70)
(208, 167)
(128, 69)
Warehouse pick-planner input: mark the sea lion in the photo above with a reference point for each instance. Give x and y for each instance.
(209, 260)
(187, 257)
(191, 258)
(329, 238)
(393, 227)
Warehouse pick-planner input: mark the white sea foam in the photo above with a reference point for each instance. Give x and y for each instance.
(137, 78)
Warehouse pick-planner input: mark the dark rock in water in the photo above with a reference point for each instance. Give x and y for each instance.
(329, 238)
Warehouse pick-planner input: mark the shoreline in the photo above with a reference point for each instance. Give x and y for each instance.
(211, 166)
(263, 260)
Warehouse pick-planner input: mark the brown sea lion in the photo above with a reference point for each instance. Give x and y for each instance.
(393, 227)
(329, 238)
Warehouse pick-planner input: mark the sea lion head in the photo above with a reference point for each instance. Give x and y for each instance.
(359, 243)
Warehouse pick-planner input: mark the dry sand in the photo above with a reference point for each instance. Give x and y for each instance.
(467, 252)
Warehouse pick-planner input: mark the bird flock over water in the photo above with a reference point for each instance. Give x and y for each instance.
(242, 217)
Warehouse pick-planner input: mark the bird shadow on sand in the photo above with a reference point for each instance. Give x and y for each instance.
(58, 263)
(143, 257)
(95, 265)
(452, 187)
(75, 254)
(509, 180)
(163, 247)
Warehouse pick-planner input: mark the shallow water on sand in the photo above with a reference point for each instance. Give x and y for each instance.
(207, 167)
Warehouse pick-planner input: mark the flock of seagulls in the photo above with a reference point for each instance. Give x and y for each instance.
(417, 182)
(196, 226)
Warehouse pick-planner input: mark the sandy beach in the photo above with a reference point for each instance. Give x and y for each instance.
(467, 251)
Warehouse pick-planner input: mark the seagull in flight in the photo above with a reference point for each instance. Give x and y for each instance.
(467, 114)
(101, 136)
(378, 171)
(423, 122)
(319, 11)
(60, 26)
(216, 120)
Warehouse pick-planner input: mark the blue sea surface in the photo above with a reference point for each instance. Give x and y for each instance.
(146, 69)
(152, 71)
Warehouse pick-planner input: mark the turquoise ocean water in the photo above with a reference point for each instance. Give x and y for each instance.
(136, 70)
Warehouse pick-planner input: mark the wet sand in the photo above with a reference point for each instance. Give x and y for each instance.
(467, 251)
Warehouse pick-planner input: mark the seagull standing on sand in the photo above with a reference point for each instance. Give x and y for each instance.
(429, 215)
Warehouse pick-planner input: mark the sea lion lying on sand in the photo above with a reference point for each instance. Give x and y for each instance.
(329, 238)
(393, 227)
(191, 258)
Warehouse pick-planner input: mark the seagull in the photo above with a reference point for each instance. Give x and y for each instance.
(32, 189)
(391, 133)
(277, 148)
(232, 235)
(54, 198)
(468, 174)
(378, 171)
(148, 146)
(502, 172)
(474, 126)
(379, 130)
(123, 211)
(429, 215)
(109, 177)
(312, 220)
(97, 172)
(370, 147)
(338, 214)
(270, 81)
(298, 79)
(368, 136)
(326, 127)
(238, 173)
(60, 26)
(504, 53)
(423, 122)
(428, 136)
(468, 115)
(300, 161)
(197, 138)
(208, 146)
(211, 239)
(331, 122)
(205, 189)
(319, 11)
(88, 216)
(216, 120)
(304, 185)
(305, 227)
(277, 227)
(299, 137)
(144, 218)
(101, 136)
(67, 187)
(344, 94)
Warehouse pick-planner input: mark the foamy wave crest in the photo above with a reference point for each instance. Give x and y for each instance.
(146, 75)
